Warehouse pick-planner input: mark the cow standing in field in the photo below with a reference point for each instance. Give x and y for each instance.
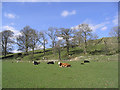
(64, 64)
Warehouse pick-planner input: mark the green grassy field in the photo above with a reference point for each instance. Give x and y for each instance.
(93, 75)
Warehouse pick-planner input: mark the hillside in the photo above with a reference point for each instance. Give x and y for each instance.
(95, 47)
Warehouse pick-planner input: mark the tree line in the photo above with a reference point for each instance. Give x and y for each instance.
(30, 38)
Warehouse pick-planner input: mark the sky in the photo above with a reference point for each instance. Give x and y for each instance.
(101, 16)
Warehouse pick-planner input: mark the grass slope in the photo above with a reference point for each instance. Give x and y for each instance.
(92, 75)
(94, 47)
(101, 72)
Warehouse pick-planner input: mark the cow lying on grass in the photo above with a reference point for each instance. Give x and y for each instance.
(86, 61)
(64, 64)
(82, 63)
(36, 63)
(51, 62)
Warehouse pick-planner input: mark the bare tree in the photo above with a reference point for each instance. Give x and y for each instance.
(114, 31)
(78, 38)
(94, 36)
(58, 48)
(66, 35)
(23, 40)
(85, 33)
(43, 40)
(93, 40)
(33, 39)
(6, 41)
(52, 34)
(73, 41)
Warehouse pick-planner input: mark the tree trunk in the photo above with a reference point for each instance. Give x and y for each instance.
(5, 49)
(79, 43)
(26, 45)
(5, 52)
(26, 50)
(85, 47)
(32, 56)
(59, 53)
(53, 45)
(44, 48)
(33, 50)
(67, 46)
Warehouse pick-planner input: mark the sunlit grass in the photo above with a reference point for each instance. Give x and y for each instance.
(92, 75)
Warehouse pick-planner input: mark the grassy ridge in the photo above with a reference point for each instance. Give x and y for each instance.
(95, 47)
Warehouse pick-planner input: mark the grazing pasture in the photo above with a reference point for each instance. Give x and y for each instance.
(89, 75)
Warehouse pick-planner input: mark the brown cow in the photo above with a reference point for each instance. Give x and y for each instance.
(64, 64)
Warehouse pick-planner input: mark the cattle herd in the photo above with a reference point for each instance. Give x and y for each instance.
(59, 63)
(53, 62)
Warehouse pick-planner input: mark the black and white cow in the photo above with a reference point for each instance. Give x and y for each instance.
(51, 62)
(36, 63)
